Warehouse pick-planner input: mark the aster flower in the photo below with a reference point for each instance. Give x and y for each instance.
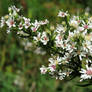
(35, 26)
(38, 37)
(74, 22)
(10, 22)
(71, 42)
(43, 70)
(44, 22)
(27, 23)
(59, 40)
(62, 14)
(86, 73)
(60, 29)
(44, 38)
(13, 11)
(13, 8)
(20, 26)
(62, 75)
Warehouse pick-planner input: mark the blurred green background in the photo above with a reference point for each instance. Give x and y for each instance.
(20, 63)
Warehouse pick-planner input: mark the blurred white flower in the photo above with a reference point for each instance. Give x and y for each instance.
(44, 22)
(60, 29)
(44, 38)
(10, 22)
(43, 70)
(37, 24)
(59, 41)
(62, 75)
(62, 14)
(40, 51)
(2, 23)
(27, 23)
(38, 37)
(20, 26)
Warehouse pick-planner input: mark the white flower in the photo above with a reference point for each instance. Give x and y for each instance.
(86, 73)
(55, 61)
(62, 14)
(20, 26)
(44, 38)
(60, 28)
(44, 22)
(74, 23)
(27, 23)
(52, 67)
(35, 26)
(86, 26)
(10, 22)
(13, 8)
(59, 41)
(13, 11)
(66, 58)
(62, 75)
(87, 46)
(34, 29)
(80, 29)
(71, 47)
(43, 70)
(38, 37)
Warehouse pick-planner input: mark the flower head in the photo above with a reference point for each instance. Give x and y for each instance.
(86, 73)
(10, 22)
(62, 14)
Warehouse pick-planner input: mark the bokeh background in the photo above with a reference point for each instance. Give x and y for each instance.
(20, 60)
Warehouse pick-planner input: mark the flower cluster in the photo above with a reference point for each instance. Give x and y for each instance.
(70, 43)
(24, 26)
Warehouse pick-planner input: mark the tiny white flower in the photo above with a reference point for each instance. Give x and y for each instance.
(59, 41)
(20, 26)
(74, 23)
(44, 38)
(43, 70)
(13, 11)
(52, 67)
(35, 26)
(38, 37)
(62, 75)
(10, 22)
(60, 29)
(86, 73)
(62, 14)
(27, 23)
(44, 22)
